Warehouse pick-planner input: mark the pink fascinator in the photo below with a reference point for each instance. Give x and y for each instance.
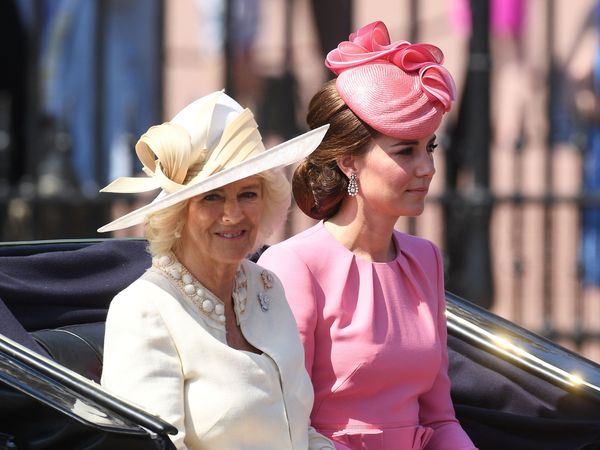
(400, 89)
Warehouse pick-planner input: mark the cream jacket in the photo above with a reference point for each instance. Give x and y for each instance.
(164, 353)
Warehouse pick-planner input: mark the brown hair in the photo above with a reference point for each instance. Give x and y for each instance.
(318, 184)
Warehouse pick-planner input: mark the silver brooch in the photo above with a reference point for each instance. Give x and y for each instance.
(264, 301)
(267, 280)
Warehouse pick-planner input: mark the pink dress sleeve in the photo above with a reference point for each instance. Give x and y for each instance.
(436, 409)
(298, 285)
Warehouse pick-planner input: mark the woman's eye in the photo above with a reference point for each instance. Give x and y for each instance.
(431, 147)
(249, 195)
(407, 151)
(211, 198)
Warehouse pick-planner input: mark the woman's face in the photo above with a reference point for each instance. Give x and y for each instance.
(222, 225)
(394, 175)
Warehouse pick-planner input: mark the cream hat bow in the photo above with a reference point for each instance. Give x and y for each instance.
(210, 143)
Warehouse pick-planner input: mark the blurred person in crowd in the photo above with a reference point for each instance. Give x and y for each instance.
(581, 102)
(230, 29)
(205, 338)
(369, 300)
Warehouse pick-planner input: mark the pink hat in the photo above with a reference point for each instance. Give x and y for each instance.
(399, 89)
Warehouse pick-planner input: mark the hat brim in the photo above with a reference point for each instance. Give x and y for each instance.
(281, 155)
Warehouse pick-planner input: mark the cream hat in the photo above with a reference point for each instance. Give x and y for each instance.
(210, 143)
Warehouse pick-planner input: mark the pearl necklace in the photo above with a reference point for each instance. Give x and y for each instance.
(202, 298)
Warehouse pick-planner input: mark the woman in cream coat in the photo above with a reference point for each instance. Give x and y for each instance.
(205, 338)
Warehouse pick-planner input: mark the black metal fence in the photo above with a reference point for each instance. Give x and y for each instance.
(508, 250)
(547, 277)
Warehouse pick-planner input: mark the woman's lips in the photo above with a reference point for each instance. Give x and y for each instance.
(419, 190)
(231, 234)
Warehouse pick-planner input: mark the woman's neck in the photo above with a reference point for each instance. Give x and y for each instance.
(218, 278)
(367, 236)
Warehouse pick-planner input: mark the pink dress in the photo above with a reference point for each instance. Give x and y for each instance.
(374, 336)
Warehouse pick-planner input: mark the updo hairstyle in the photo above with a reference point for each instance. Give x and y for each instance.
(318, 184)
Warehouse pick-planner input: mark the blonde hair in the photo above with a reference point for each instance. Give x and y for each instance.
(163, 228)
(277, 195)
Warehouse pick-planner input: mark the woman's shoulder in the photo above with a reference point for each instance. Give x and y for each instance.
(257, 276)
(265, 286)
(310, 236)
(415, 244)
(294, 254)
(141, 293)
(419, 251)
(302, 244)
(253, 271)
(133, 305)
(311, 256)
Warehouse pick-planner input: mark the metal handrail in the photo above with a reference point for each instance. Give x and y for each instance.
(522, 347)
(41, 368)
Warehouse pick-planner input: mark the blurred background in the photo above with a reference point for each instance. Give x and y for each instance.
(515, 204)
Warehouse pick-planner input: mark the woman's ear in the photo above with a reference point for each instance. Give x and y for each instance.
(347, 165)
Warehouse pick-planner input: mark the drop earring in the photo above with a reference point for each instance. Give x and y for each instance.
(352, 186)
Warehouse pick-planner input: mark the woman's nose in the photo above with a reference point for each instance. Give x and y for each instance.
(232, 213)
(425, 166)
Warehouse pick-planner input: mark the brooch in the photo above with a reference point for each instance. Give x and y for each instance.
(263, 301)
(267, 281)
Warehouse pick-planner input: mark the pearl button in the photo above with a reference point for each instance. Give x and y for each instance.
(187, 278)
(208, 306)
(164, 260)
(175, 273)
(219, 309)
(189, 289)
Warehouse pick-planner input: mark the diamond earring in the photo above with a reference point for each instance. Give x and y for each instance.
(352, 186)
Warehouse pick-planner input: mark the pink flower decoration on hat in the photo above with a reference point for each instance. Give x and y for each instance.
(371, 46)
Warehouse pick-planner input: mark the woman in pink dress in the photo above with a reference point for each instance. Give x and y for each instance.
(369, 300)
